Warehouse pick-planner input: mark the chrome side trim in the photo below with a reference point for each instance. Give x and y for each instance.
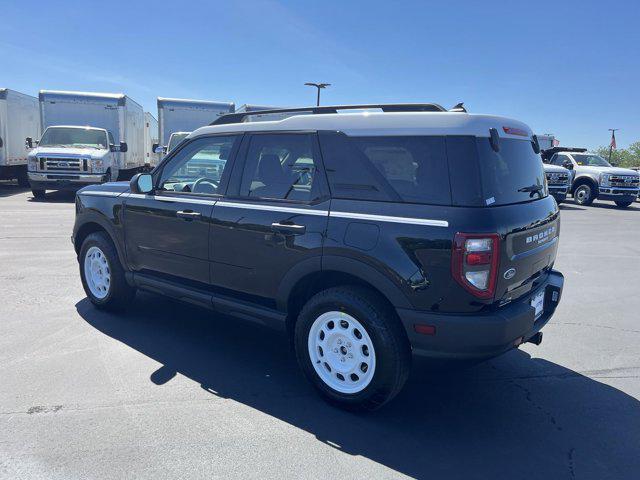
(387, 218)
(104, 194)
(161, 198)
(274, 208)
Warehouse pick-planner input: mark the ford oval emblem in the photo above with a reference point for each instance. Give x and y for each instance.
(509, 274)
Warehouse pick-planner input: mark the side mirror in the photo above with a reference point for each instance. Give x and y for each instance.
(123, 147)
(157, 148)
(141, 183)
(1, 142)
(28, 142)
(568, 165)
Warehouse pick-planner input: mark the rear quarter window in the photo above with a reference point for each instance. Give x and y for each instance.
(410, 169)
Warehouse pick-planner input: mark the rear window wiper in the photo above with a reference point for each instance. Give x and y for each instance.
(532, 189)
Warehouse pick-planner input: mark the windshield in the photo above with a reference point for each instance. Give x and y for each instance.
(175, 139)
(587, 160)
(73, 137)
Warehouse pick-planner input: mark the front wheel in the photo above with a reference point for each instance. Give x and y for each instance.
(352, 348)
(38, 193)
(623, 204)
(584, 194)
(102, 274)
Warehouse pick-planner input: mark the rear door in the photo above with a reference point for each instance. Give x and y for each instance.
(274, 217)
(167, 233)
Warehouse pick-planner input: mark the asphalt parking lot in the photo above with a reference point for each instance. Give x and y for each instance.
(170, 391)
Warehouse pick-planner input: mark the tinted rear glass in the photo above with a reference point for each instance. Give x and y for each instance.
(438, 170)
(410, 169)
(511, 175)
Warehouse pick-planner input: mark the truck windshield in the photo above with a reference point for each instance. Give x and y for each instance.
(73, 137)
(175, 139)
(587, 160)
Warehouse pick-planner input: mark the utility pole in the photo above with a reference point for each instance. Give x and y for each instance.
(613, 141)
(319, 86)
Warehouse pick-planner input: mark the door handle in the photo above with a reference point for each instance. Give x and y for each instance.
(188, 214)
(289, 228)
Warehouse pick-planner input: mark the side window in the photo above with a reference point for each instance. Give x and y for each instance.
(111, 140)
(560, 159)
(412, 169)
(198, 166)
(281, 166)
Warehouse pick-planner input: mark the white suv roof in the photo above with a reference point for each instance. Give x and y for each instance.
(385, 123)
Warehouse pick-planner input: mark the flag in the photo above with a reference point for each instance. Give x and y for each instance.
(612, 145)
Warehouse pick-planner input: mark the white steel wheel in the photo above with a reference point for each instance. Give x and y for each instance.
(97, 272)
(341, 352)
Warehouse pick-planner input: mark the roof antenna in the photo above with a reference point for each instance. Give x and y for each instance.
(459, 108)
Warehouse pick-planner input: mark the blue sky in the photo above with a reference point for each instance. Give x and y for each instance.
(570, 68)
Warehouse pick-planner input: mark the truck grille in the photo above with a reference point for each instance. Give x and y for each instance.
(54, 164)
(624, 180)
(557, 178)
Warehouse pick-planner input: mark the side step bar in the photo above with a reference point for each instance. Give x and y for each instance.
(220, 303)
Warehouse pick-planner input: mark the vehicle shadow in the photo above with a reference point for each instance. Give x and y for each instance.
(565, 206)
(57, 196)
(10, 189)
(514, 416)
(612, 206)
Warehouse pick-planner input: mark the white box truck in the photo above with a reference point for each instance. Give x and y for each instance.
(150, 139)
(181, 116)
(88, 138)
(19, 118)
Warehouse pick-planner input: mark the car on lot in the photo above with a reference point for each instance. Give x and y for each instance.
(558, 181)
(594, 177)
(367, 236)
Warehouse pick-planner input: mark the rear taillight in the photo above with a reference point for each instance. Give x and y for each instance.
(474, 262)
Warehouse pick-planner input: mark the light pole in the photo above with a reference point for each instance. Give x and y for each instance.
(319, 86)
(613, 141)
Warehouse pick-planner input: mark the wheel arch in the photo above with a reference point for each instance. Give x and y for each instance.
(299, 286)
(92, 225)
(585, 179)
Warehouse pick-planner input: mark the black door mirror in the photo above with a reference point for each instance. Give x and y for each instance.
(157, 148)
(123, 147)
(568, 165)
(141, 183)
(28, 142)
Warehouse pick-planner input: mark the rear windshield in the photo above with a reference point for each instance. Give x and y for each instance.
(514, 174)
(436, 170)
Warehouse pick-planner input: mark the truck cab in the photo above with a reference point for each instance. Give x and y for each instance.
(559, 180)
(594, 177)
(174, 140)
(70, 157)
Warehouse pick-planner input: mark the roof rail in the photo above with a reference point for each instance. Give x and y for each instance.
(388, 107)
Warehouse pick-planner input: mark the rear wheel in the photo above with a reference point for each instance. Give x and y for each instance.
(623, 204)
(102, 274)
(584, 194)
(38, 193)
(352, 348)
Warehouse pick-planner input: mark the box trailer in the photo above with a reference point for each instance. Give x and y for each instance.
(150, 139)
(19, 118)
(87, 138)
(181, 115)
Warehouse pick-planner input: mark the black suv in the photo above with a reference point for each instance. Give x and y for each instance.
(367, 236)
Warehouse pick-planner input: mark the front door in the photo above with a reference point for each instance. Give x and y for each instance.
(167, 232)
(274, 217)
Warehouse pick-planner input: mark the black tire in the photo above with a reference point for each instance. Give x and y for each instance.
(23, 180)
(392, 350)
(623, 204)
(38, 193)
(583, 194)
(119, 293)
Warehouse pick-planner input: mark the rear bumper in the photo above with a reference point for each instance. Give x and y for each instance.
(63, 181)
(483, 335)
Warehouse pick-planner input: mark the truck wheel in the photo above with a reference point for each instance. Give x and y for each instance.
(102, 274)
(584, 194)
(38, 194)
(352, 348)
(23, 180)
(623, 204)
